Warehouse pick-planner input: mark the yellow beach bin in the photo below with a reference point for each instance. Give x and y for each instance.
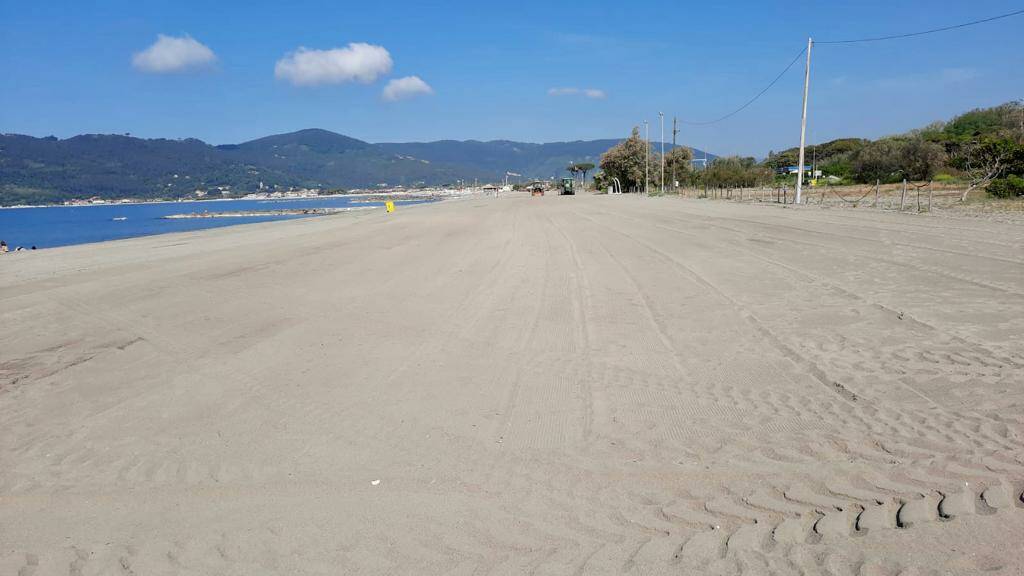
(389, 206)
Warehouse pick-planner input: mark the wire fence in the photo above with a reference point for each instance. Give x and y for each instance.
(909, 197)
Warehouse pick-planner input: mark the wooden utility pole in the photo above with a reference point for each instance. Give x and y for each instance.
(803, 124)
(674, 132)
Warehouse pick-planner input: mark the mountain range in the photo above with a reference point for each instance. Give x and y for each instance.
(41, 170)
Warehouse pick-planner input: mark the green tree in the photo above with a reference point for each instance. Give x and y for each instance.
(625, 161)
(984, 122)
(585, 167)
(921, 159)
(678, 164)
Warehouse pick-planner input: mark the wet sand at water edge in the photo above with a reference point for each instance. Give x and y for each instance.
(556, 385)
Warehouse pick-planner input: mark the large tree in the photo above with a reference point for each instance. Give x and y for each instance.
(625, 161)
(583, 168)
(678, 164)
(921, 159)
(580, 169)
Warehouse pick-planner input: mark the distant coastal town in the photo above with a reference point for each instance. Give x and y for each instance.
(225, 193)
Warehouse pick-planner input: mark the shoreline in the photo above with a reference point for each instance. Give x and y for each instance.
(439, 194)
(270, 219)
(266, 213)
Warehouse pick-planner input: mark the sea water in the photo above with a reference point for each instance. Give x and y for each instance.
(51, 226)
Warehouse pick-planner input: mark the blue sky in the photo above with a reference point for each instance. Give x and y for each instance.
(489, 70)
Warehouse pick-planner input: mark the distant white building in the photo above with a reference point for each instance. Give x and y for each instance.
(795, 169)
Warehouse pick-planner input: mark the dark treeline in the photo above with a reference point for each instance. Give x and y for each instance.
(983, 148)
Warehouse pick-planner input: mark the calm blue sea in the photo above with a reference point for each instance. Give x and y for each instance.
(64, 225)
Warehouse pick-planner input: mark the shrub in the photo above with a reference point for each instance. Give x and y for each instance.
(892, 159)
(735, 172)
(1010, 187)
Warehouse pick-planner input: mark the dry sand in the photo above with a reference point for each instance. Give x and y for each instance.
(557, 385)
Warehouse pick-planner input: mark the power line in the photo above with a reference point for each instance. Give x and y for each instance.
(922, 33)
(852, 41)
(752, 100)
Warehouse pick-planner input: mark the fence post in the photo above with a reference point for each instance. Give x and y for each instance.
(919, 199)
(876, 193)
(929, 196)
(903, 195)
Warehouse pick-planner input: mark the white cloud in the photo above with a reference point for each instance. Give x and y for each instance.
(592, 93)
(357, 62)
(408, 87)
(173, 54)
(563, 91)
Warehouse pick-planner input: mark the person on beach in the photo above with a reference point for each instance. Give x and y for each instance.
(3, 247)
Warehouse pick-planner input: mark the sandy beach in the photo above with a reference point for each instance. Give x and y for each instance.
(555, 385)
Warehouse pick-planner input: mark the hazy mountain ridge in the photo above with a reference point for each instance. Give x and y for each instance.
(115, 166)
(499, 156)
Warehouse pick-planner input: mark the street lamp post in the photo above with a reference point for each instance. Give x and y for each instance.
(647, 156)
(661, 118)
